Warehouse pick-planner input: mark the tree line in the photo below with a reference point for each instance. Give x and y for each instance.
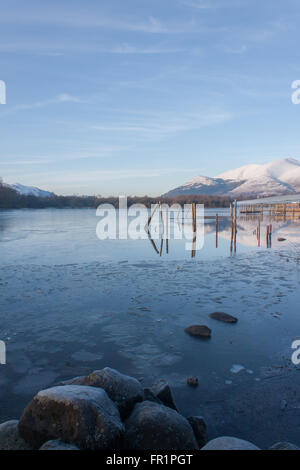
(11, 199)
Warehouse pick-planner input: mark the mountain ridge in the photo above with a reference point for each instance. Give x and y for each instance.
(278, 177)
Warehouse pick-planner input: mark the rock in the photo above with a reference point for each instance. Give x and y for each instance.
(162, 391)
(284, 446)
(200, 331)
(58, 445)
(84, 416)
(283, 405)
(125, 391)
(200, 429)
(229, 443)
(75, 381)
(224, 317)
(281, 239)
(192, 381)
(157, 427)
(149, 396)
(10, 438)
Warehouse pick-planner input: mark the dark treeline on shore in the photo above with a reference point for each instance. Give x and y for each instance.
(10, 199)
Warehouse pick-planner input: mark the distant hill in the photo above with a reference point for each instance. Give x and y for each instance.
(275, 178)
(29, 190)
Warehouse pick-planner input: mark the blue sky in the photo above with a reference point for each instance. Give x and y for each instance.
(138, 96)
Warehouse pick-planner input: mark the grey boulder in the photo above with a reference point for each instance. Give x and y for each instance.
(84, 416)
(200, 429)
(125, 391)
(10, 438)
(157, 427)
(229, 443)
(58, 445)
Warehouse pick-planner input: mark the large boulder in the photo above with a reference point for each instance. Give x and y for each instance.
(156, 427)
(200, 429)
(125, 391)
(162, 391)
(84, 416)
(284, 446)
(10, 438)
(58, 445)
(229, 443)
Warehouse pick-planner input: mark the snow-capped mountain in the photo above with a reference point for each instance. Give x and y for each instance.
(275, 178)
(30, 190)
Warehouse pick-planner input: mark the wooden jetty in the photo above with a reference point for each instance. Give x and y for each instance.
(281, 206)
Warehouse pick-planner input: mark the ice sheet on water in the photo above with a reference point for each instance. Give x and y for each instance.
(236, 368)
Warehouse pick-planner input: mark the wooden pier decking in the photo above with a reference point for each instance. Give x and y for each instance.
(280, 205)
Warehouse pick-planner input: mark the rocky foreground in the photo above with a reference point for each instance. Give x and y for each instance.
(107, 410)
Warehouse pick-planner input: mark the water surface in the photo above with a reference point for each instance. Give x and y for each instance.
(71, 303)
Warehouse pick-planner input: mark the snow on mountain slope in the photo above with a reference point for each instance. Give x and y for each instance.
(281, 169)
(30, 190)
(275, 178)
(264, 186)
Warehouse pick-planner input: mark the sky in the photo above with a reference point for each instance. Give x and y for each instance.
(136, 97)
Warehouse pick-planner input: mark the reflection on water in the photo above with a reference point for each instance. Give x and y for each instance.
(257, 230)
(56, 236)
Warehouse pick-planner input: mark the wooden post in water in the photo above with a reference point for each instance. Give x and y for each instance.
(167, 230)
(269, 236)
(235, 226)
(258, 232)
(231, 226)
(194, 222)
(150, 218)
(217, 228)
(162, 231)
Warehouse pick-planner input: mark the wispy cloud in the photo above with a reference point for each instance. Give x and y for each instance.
(59, 99)
(59, 49)
(213, 4)
(81, 19)
(161, 125)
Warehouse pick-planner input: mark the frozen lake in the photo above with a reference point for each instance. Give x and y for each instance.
(71, 303)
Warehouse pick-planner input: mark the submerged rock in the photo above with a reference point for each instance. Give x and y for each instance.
(157, 427)
(75, 414)
(229, 443)
(200, 429)
(284, 446)
(224, 317)
(125, 391)
(162, 391)
(10, 438)
(199, 331)
(192, 381)
(58, 445)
